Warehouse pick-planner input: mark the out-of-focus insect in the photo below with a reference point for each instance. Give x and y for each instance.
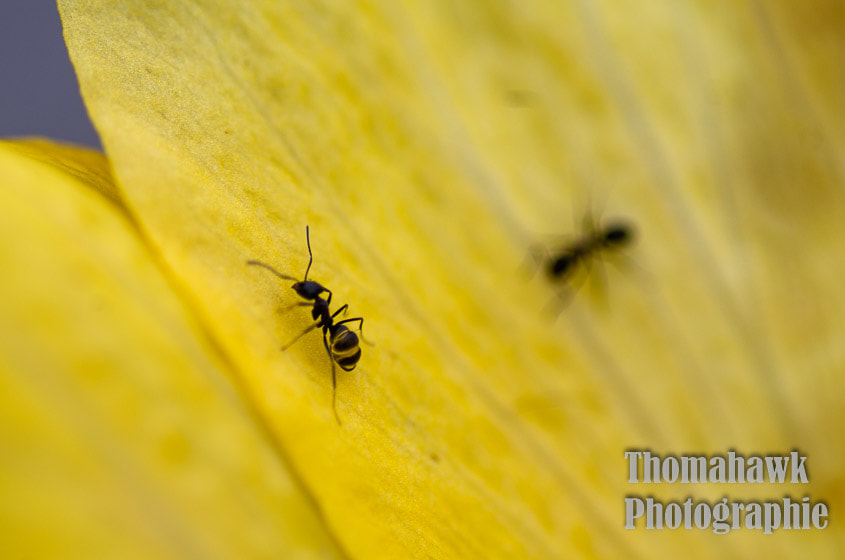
(562, 263)
(341, 344)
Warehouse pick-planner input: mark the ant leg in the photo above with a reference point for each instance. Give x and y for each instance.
(632, 270)
(310, 256)
(360, 327)
(273, 270)
(329, 301)
(299, 304)
(360, 323)
(598, 278)
(334, 377)
(620, 260)
(565, 297)
(344, 307)
(300, 335)
(589, 222)
(535, 253)
(563, 300)
(593, 214)
(359, 319)
(585, 275)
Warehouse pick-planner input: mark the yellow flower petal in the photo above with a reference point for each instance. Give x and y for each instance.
(122, 436)
(425, 145)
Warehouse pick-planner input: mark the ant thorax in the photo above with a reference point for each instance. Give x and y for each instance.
(320, 311)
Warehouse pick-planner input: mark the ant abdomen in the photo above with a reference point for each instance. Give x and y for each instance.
(561, 265)
(345, 348)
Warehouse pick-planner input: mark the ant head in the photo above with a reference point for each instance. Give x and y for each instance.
(618, 235)
(308, 289)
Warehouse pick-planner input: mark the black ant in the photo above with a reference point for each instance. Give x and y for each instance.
(341, 344)
(562, 263)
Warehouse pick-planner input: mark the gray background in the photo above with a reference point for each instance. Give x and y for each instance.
(39, 94)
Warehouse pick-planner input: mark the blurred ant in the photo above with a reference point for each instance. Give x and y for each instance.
(561, 264)
(341, 344)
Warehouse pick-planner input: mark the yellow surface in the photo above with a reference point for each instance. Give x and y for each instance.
(428, 145)
(122, 435)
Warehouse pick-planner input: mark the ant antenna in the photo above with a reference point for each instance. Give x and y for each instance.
(310, 256)
(273, 270)
(334, 395)
(300, 335)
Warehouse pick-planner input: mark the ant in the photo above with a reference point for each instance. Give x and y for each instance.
(561, 264)
(341, 344)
